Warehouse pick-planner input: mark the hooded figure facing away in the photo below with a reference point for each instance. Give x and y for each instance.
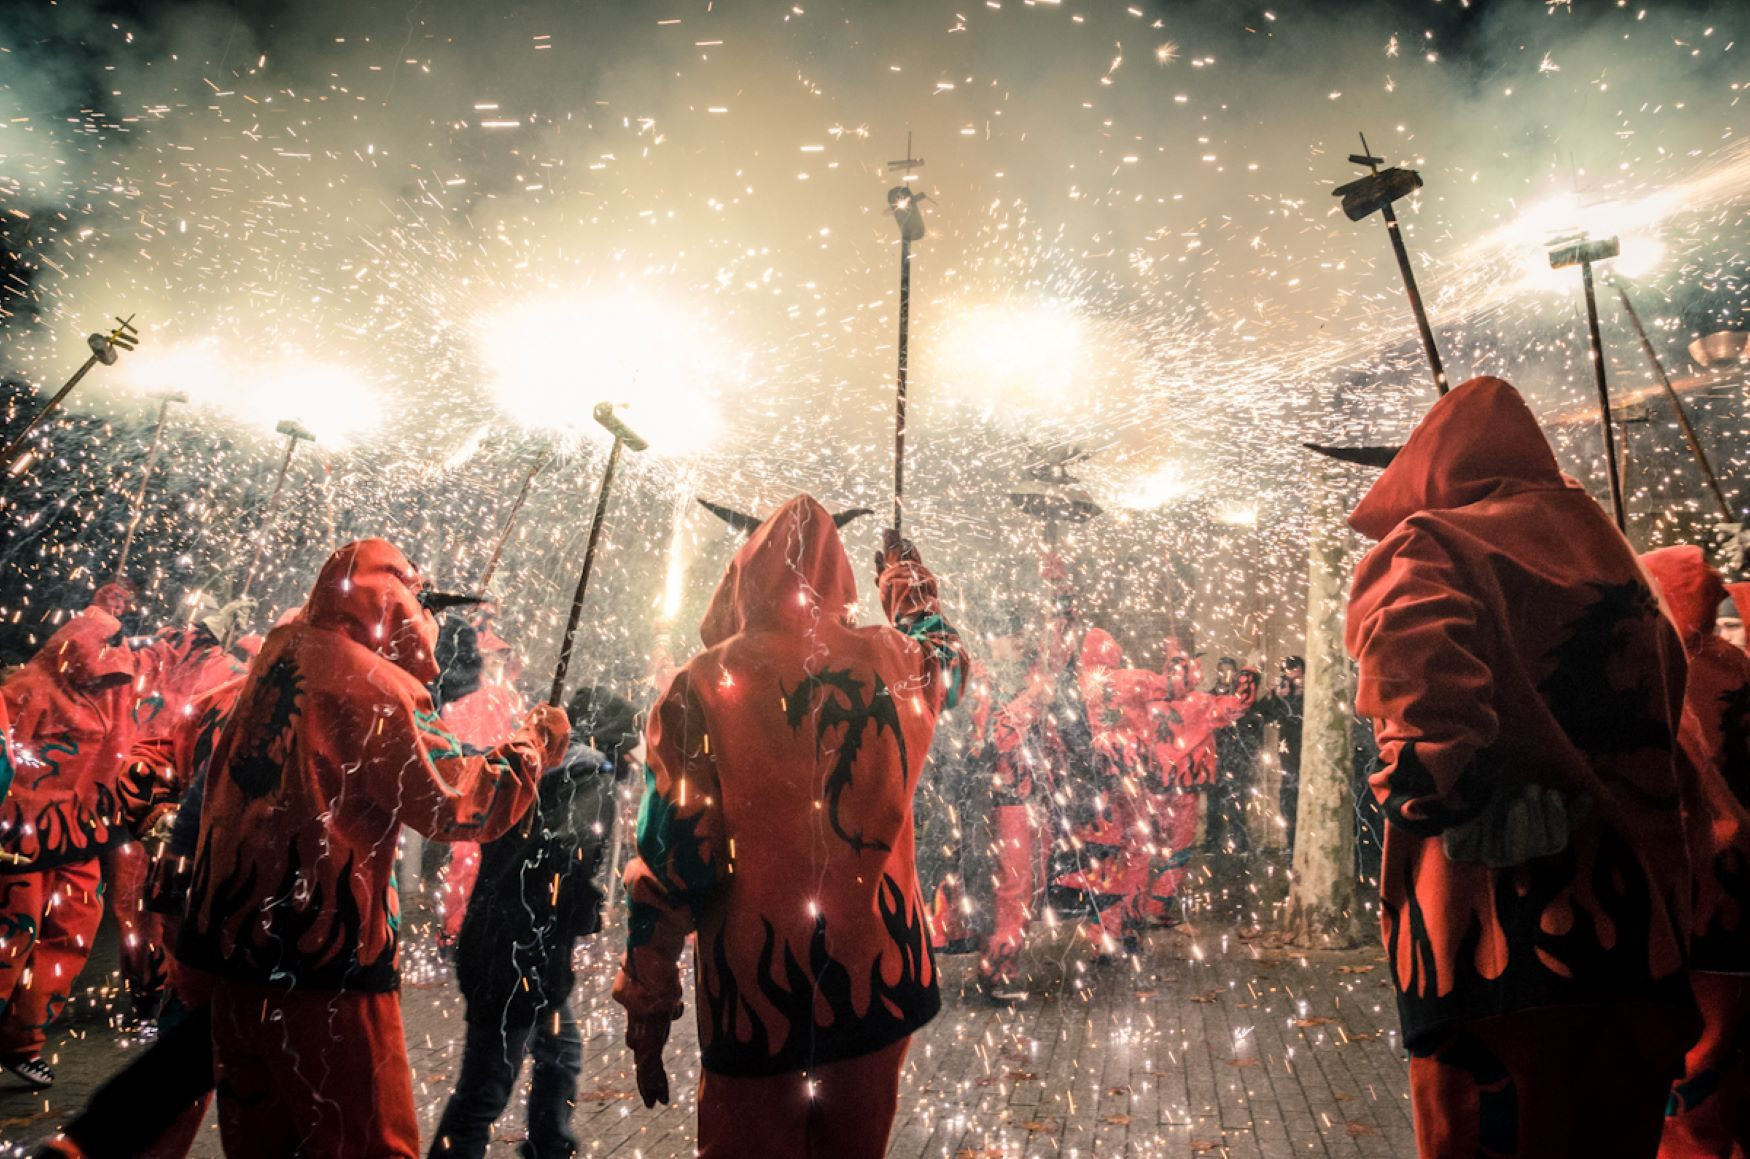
(777, 823)
(64, 800)
(1709, 1113)
(538, 891)
(1527, 694)
(332, 747)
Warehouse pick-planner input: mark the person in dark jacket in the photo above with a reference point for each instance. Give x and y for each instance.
(1284, 708)
(538, 892)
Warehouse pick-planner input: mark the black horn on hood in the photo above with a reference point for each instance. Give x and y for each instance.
(746, 524)
(1380, 457)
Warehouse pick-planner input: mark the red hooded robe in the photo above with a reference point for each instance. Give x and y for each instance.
(777, 816)
(332, 747)
(71, 709)
(1506, 636)
(1716, 739)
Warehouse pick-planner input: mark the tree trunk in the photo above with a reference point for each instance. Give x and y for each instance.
(1321, 910)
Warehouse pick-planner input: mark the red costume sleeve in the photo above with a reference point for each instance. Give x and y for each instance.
(1226, 708)
(416, 770)
(1425, 680)
(148, 780)
(682, 856)
(909, 597)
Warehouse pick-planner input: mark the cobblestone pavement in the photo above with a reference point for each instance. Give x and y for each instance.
(1205, 1045)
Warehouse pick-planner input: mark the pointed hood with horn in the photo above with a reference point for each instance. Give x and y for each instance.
(1479, 441)
(748, 524)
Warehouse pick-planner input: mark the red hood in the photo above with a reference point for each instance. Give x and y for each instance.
(1100, 650)
(1478, 442)
(1691, 589)
(115, 597)
(1181, 671)
(1740, 594)
(368, 592)
(792, 571)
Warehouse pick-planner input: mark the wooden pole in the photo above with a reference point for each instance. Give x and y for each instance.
(595, 533)
(1612, 471)
(510, 522)
(899, 408)
(139, 499)
(1701, 459)
(266, 524)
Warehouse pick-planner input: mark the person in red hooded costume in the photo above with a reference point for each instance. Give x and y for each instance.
(1185, 764)
(72, 713)
(182, 662)
(482, 718)
(1526, 693)
(333, 746)
(777, 823)
(1709, 1113)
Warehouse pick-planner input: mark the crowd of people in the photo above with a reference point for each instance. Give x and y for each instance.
(1559, 753)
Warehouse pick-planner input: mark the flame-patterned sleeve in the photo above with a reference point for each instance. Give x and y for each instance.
(148, 781)
(683, 853)
(1226, 708)
(909, 597)
(415, 769)
(1425, 679)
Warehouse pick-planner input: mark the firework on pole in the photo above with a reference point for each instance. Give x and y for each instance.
(103, 349)
(294, 434)
(137, 503)
(510, 521)
(624, 436)
(1582, 252)
(1375, 193)
(907, 210)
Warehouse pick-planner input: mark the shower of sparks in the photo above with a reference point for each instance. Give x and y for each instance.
(438, 243)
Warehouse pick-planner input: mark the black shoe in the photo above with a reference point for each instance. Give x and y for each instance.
(35, 1071)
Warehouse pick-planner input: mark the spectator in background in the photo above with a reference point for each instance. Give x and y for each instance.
(1284, 707)
(1236, 751)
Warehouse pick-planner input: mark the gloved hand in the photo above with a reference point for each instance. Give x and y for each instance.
(552, 728)
(1522, 823)
(228, 622)
(895, 548)
(646, 1037)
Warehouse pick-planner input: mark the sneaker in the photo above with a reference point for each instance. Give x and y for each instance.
(1005, 993)
(35, 1071)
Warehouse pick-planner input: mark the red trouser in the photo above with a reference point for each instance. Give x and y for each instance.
(142, 932)
(460, 874)
(47, 921)
(842, 1110)
(1175, 835)
(1576, 1082)
(1709, 1113)
(312, 1072)
(1000, 961)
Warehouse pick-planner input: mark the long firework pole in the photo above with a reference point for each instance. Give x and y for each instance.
(103, 349)
(1701, 460)
(510, 521)
(624, 436)
(293, 433)
(139, 499)
(907, 211)
(1375, 193)
(1582, 252)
